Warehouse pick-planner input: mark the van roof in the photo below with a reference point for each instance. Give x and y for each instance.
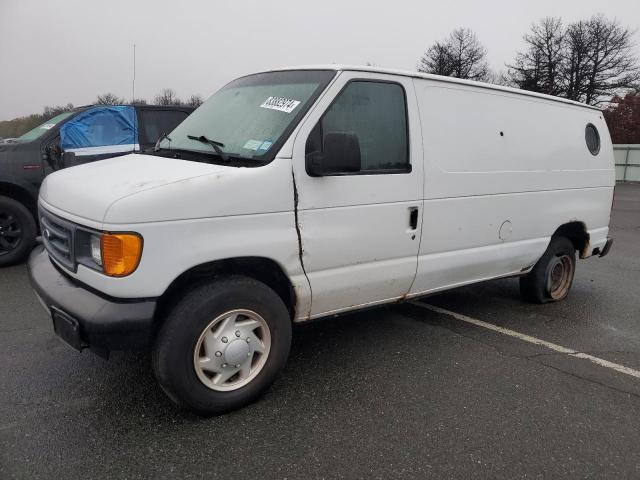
(437, 78)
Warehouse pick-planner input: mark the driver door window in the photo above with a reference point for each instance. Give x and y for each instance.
(376, 114)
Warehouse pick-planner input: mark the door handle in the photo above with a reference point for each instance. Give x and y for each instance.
(413, 218)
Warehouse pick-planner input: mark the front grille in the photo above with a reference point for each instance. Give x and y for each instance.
(57, 237)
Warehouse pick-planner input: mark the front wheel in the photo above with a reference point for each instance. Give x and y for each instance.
(222, 345)
(17, 231)
(551, 278)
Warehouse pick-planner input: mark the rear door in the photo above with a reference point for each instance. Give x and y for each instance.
(360, 231)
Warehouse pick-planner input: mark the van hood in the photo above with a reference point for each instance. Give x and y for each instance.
(144, 188)
(89, 190)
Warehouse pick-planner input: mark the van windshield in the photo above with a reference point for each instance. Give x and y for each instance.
(44, 128)
(250, 117)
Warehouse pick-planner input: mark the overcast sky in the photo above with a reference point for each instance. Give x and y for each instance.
(58, 51)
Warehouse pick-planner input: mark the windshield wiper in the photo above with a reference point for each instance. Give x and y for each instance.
(215, 145)
(162, 137)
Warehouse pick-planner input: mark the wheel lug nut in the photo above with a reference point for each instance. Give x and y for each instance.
(248, 340)
(224, 365)
(238, 365)
(225, 339)
(248, 354)
(237, 333)
(218, 354)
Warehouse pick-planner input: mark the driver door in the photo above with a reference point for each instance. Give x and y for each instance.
(360, 230)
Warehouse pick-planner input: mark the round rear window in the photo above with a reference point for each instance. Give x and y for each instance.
(592, 138)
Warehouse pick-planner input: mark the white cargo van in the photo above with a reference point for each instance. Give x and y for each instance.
(299, 193)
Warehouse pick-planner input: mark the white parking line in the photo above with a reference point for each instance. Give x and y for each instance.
(528, 338)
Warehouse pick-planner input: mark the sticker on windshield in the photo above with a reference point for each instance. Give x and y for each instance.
(252, 144)
(266, 145)
(48, 126)
(282, 104)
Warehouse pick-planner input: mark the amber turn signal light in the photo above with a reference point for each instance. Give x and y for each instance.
(121, 253)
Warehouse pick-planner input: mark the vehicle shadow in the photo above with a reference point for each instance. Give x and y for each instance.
(330, 359)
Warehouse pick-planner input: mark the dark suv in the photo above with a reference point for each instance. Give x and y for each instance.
(85, 134)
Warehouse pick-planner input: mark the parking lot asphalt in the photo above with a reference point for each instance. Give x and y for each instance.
(397, 392)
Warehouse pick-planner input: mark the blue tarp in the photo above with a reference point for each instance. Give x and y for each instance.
(100, 126)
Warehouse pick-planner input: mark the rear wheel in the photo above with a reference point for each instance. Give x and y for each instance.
(17, 231)
(551, 278)
(222, 345)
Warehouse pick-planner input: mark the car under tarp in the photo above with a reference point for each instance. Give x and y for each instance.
(101, 130)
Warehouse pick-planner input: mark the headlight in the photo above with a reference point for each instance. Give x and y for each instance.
(114, 254)
(96, 249)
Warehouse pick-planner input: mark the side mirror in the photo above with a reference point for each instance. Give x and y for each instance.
(52, 154)
(341, 154)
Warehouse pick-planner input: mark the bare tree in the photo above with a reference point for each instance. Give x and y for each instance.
(527, 74)
(469, 56)
(539, 68)
(194, 100)
(498, 78)
(138, 101)
(167, 97)
(612, 65)
(576, 65)
(461, 55)
(437, 60)
(589, 61)
(109, 99)
(49, 112)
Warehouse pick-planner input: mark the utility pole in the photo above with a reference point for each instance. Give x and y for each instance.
(133, 98)
(133, 83)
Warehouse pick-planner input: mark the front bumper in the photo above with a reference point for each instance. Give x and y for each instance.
(85, 319)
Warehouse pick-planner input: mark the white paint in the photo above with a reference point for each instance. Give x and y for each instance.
(88, 190)
(491, 155)
(506, 229)
(536, 341)
(221, 221)
(358, 248)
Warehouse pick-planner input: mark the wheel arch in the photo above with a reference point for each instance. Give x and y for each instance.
(262, 269)
(577, 233)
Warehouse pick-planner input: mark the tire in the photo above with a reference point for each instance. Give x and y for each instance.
(17, 231)
(190, 334)
(552, 276)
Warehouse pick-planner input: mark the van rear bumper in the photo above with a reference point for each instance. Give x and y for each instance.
(607, 247)
(85, 319)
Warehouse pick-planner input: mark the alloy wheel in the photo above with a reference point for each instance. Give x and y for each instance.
(10, 232)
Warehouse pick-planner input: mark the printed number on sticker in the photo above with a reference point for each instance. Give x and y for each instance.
(282, 104)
